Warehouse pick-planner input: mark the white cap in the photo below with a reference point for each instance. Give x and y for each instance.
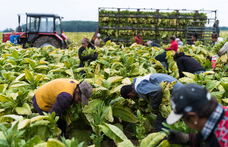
(149, 42)
(172, 118)
(98, 35)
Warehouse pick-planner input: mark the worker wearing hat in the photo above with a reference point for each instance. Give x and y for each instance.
(98, 40)
(179, 42)
(148, 88)
(86, 44)
(202, 112)
(59, 94)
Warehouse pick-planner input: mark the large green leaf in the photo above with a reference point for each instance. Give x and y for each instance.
(32, 142)
(124, 114)
(189, 75)
(225, 86)
(114, 79)
(12, 116)
(152, 139)
(211, 85)
(92, 104)
(54, 143)
(44, 144)
(31, 62)
(81, 135)
(23, 123)
(4, 98)
(29, 76)
(24, 110)
(43, 132)
(113, 132)
(125, 143)
(218, 94)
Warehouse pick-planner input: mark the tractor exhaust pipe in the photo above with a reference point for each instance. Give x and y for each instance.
(19, 21)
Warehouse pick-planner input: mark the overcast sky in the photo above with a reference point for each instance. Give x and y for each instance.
(88, 9)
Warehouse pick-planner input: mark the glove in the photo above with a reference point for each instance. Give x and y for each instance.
(95, 56)
(177, 137)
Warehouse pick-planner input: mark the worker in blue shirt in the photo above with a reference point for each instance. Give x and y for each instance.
(148, 88)
(13, 37)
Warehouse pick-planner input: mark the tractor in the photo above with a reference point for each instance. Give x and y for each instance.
(41, 30)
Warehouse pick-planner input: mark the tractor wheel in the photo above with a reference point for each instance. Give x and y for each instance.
(45, 41)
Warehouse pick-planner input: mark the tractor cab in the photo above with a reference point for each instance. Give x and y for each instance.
(42, 30)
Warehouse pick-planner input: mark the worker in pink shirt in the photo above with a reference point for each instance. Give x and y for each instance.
(174, 45)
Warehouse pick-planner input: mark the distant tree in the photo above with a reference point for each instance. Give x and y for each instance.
(223, 28)
(8, 30)
(70, 26)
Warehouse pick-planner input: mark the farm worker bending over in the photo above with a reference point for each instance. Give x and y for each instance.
(174, 45)
(148, 88)
(179, 42)
(152, 43)
(86, 44)
(224, 50)
(98, 40)
(216, 39)
(202, 112)
(57, 95)
(194, 39)
(138, 39)
(14, 37)
(187, 64)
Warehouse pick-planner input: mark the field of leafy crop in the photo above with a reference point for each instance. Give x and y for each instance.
(109, 119)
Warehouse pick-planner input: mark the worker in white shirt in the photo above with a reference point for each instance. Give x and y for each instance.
(224, 50)
(216, 39)
(98, 40)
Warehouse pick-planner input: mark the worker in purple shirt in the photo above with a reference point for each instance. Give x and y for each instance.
(14, 37)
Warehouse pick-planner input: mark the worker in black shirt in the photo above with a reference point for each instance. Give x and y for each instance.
(187, 64)
(86, 44)
(194, 39)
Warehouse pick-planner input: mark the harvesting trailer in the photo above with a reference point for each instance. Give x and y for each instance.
(122, 24)
(41, 30)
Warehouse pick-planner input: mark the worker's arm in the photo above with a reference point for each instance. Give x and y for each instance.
(63, 101)
(84, 58)
(21, 34)
(152, 91)
(223, 50)
(181, 67)
(172, 47)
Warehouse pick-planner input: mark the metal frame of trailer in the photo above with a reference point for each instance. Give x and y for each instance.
(204, 33)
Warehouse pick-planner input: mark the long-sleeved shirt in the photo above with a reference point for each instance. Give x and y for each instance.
(218, 40)
(138, 40)
(148, 88)
(86, 58)
(215, 131)
(191, 42)
(55, 96)
(224, 50)
(188, 64)
(180, 43)
(97, 42)
(13, 39)
(174, 46)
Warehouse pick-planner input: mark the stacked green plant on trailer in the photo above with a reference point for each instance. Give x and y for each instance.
(122, 25)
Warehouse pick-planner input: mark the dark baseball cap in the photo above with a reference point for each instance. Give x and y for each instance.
(187, 98)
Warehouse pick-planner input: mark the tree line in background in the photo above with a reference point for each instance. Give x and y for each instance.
(82, 26)
(71, 26)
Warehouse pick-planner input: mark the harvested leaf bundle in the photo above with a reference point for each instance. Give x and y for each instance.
(88, 51)
(165, 107)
